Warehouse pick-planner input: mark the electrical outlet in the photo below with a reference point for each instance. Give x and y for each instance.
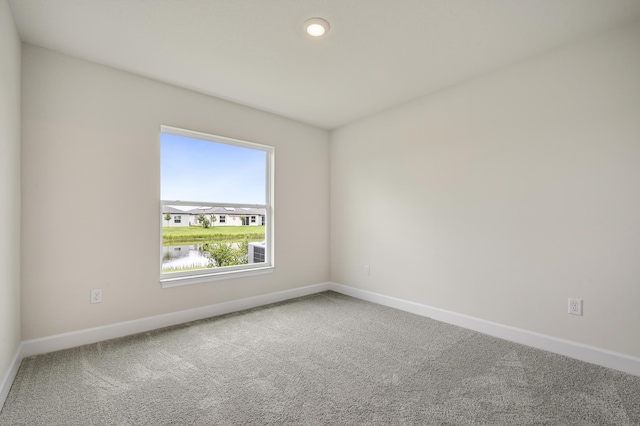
(96, 295)
(367, 270)
(575, 306)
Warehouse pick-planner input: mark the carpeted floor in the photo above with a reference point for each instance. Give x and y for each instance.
(316, 360)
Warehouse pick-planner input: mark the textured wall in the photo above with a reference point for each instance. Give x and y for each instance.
(91, 161)
(9, 188)
(517, 190)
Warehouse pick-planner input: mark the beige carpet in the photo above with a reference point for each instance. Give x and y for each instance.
(321, 359)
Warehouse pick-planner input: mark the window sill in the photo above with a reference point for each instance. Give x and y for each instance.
(205, 278)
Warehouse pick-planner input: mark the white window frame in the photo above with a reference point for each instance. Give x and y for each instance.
(174, 279)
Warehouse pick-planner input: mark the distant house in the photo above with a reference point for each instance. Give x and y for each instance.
(219, 216)
(174, 217)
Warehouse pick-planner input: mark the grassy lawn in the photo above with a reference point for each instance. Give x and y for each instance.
(198, 234)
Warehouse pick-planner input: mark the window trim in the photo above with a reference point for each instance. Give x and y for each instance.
(174, 279)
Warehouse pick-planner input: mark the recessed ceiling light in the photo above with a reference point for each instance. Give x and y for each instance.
(316, 27)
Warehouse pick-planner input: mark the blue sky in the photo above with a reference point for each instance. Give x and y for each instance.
(198, 170)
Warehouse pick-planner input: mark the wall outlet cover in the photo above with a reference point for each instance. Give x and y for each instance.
(575, 306)
(96, 295)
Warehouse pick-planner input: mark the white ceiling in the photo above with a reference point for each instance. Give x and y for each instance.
(377, 54)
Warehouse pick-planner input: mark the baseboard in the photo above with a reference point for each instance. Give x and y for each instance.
(10, 375)
(111, 331)
(582, 352)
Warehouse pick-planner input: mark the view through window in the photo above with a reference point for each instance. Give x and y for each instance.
(216, 206)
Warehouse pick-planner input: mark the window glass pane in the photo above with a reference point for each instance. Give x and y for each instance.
(200, 170)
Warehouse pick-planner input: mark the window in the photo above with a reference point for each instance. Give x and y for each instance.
(203, 176)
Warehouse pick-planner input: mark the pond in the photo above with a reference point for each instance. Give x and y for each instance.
(186, 256)
(183, 257)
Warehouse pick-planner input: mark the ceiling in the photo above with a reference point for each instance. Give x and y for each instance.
(377, 54)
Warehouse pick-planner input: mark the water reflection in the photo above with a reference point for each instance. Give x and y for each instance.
(192, 256)
(183, 257)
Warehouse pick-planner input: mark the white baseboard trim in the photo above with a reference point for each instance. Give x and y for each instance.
(111, 331)
(582, 352)
(10, 375)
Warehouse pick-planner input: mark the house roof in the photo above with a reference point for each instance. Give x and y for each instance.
(173, 210)
(230, 211)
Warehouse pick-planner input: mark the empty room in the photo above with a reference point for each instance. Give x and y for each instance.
(320, 212)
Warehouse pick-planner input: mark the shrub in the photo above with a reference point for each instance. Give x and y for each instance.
(224, 254)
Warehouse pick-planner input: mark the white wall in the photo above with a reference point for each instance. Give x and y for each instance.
(185, 220)
(517, 190)
(9, 188)
(91, 148)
